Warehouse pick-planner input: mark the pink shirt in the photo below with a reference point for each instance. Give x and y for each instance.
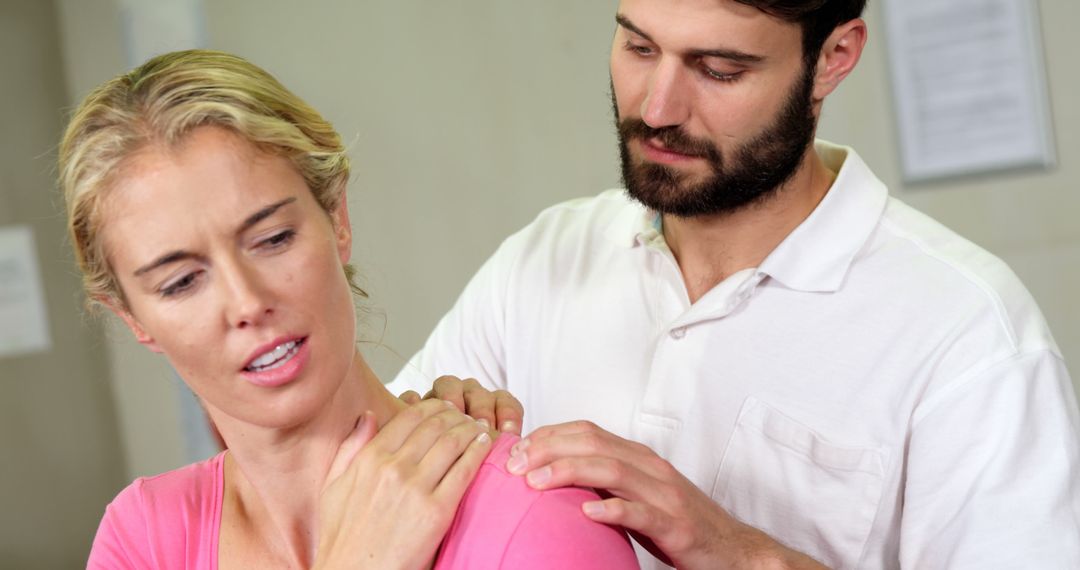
(172, 521)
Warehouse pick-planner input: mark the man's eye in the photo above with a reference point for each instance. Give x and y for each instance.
(719, 75)
(638, 49)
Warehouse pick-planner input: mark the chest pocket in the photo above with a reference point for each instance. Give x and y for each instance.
(817, 497)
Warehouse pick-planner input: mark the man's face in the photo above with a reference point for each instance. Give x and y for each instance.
(713, 104)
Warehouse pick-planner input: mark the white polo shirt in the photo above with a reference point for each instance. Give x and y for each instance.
(879, 393)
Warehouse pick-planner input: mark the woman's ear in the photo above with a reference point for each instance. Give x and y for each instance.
(839, 55)
(342, 228)
(132, 323)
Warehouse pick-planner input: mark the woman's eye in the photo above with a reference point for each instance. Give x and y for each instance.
(277, 240)
(179, 286)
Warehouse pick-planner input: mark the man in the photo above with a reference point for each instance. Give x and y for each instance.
(783, 366)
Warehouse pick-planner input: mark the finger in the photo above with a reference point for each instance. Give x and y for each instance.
(509, 412)
(360, 435)
(450, 388)
(540, 451)
(394, 433)
(591, 441)
(621, 479)
(409, 397)
(568, 428)
(446, 451)
(452, 486)
(479, 402)
(647, 524)
(430, 431)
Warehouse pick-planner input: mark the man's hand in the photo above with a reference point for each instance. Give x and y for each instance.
(498, 408)
(668, 515)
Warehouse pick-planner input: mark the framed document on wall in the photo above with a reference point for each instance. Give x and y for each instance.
(969, 86)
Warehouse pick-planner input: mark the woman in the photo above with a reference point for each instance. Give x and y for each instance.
(206, 205)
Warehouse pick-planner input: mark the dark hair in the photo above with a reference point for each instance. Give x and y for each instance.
(817, 18)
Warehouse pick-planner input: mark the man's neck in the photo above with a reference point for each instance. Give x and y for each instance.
(711, 248)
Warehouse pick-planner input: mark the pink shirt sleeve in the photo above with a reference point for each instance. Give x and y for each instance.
(555, 534)
(167, 522)
(121, 542)
(502, 523)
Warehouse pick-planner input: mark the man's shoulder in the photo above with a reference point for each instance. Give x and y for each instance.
(610, 214)
(941, 265)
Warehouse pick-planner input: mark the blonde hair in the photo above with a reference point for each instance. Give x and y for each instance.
(160, 102)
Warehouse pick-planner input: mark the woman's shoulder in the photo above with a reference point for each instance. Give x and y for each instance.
(502, 522)
(160, 520)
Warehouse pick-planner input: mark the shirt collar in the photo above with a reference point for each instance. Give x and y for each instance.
(815, 256)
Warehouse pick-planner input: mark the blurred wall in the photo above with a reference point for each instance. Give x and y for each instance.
(467, 118)
(61, 455)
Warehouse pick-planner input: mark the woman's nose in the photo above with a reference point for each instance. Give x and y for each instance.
(248, 301)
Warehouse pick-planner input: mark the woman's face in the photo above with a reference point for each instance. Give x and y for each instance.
(232, 269)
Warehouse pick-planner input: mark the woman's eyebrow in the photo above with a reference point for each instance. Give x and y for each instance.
(263, 214)
(248, 222)
(171, 257)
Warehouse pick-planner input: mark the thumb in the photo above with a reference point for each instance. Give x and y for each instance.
(366, 428)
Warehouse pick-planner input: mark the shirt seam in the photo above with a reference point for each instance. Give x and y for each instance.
(146, 524)
(967, 274)
(973, 374)
(517, 527)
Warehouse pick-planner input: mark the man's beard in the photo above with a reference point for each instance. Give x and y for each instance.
(759, 168)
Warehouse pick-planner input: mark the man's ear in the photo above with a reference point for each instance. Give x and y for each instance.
(342, 228)
(839, 55)
(132, 323)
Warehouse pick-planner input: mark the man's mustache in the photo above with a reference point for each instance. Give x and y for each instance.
(673, 138)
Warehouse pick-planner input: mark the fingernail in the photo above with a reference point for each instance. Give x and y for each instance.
(449, 404)
(484, 423)
(593, 508)
(520, 446)
(483, 437)
(517, 464)
(539, 477)
(509, 425)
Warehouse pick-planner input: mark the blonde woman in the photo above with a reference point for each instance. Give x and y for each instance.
(206, 205)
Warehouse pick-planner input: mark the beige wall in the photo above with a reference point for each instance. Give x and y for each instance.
(61, 460)
(467, 118)
(144, 392)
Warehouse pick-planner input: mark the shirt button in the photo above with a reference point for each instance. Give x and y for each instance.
(678, 333)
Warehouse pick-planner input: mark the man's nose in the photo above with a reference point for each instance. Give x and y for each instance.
(666, 103)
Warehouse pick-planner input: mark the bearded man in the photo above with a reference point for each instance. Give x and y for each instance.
(782, 365)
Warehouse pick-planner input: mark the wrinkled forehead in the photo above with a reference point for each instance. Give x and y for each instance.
(164, 195)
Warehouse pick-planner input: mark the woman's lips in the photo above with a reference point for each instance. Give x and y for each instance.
(282, 370)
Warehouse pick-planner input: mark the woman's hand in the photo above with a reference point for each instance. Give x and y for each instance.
(392, 495)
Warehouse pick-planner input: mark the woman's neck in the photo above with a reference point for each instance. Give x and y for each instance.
(274, 477)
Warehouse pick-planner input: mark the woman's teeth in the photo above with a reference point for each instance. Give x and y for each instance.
(280, 355)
